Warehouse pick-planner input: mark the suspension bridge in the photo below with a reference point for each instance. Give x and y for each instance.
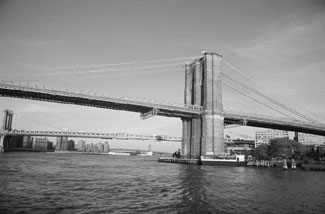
(202, 114)
(148, 108)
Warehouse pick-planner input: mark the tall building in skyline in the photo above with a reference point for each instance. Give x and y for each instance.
(100, 147)
(71, 145)
(61, 144)
(106, 147)
(88, 148)
(81, 146)
(92, 147)
(39, 143)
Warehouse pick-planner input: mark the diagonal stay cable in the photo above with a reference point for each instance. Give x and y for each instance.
(269, 99)
(240, 92)
(291, 109)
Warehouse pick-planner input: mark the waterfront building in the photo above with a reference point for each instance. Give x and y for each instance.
(106, 147)
(16, 142)
(58, 144)
(309, 139)
(65, 146)
(39, 143)
(27, 143)
(50, 145)
(88, 148)
(100, 147)
(70, 145)
(79, 149)
(61, 144)
(239, 146)
(264, 137)
(81, 146)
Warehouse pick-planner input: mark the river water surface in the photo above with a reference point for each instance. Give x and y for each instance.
(80, 183)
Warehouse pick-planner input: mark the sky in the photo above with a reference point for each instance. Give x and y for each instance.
(276, 46)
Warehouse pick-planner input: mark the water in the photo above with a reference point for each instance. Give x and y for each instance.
(76, 183)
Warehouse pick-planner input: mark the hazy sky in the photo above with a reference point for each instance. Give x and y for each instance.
(280, 45)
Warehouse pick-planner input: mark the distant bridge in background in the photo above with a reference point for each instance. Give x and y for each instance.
(101, 135)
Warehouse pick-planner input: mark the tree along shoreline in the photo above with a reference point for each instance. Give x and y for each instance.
(284, 148)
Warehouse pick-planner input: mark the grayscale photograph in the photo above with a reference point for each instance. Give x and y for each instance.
(162, 106)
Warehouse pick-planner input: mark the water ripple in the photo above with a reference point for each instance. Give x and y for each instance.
(63, 183)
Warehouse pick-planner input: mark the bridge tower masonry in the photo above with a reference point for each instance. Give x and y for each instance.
(204, 135)
(7, 126)
(7, 122)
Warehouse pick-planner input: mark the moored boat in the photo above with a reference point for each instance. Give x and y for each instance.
(234, 160)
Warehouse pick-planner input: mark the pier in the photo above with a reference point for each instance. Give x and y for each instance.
(316, 166)
(178, 160)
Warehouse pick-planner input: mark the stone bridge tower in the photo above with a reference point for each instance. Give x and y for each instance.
(204, 136)
(7, 121)
(7, 126)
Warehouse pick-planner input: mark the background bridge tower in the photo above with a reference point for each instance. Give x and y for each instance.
(204, 136)
(7, 126)
(7, 121)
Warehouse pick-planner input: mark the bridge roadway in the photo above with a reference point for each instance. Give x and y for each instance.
(148, 108)
(120, 103)
(117, 136)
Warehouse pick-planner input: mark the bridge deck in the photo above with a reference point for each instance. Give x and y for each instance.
(262, 121)
(170, 110)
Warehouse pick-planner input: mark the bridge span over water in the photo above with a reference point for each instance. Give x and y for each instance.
(149, 108)
(202, 113)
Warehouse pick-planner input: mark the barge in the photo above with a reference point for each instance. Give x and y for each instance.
(235, 160)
